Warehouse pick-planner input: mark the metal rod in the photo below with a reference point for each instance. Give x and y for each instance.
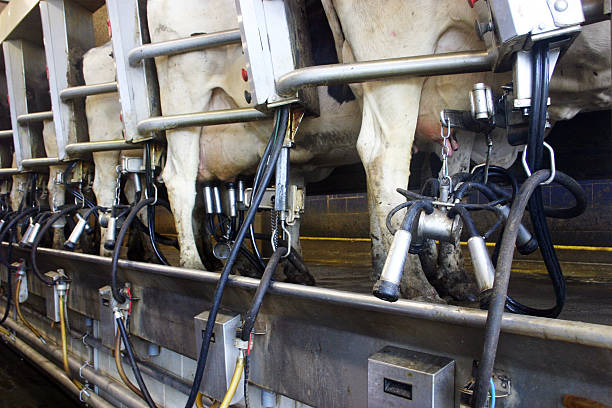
(424, 65)
(75, 149)
(40, 162)
(34, 117)
(91, 398)
(9, 171)
(118, 391)
(195, 43)
(218, 117)
(593, 335)
(6, 134)
(86, 90)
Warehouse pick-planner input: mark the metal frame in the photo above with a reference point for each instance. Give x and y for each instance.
(66, 26)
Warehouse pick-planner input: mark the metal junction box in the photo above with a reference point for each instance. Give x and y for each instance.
(407, 379)
(222, 355)
(275, 41)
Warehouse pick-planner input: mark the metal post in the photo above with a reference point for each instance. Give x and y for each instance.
(425, 65)
(18, 67)
(86, 90)
(67, 27)
(137, 88)
(200, 119)
(183, 45)
(76, 149)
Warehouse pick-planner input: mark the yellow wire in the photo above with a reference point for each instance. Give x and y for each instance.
(64, 341)
(23, 320)
(234, 383)
(200, 403)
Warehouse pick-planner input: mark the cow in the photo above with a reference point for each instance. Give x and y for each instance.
(211, 80)
(394, 112)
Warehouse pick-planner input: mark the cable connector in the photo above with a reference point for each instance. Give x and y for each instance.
(241, 344)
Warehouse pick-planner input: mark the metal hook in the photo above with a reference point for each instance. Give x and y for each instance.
(553, 168)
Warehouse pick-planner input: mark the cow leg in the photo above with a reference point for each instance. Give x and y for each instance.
(180, 175)
(57, 198)
(384, 145)
(104, 184)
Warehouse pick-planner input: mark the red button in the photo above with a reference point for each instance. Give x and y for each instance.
(245, 75)
(471, 3)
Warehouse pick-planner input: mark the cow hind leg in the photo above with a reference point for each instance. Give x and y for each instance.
(384, 145)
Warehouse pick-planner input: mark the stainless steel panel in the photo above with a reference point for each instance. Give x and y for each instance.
(222, 355)
(399, 378)
(320, 336)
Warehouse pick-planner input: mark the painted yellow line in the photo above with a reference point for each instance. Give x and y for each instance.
(336, 239)
(489, 244)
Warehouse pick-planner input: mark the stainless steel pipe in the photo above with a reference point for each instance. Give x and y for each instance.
(183, 45)
(34, 117)
(9, 171)
(75, 149)
(91, 398)
(87, 90)
(218, 117)
(425, 65)
(593, 335)
(40, 162)
(6, 134)
(118, 391)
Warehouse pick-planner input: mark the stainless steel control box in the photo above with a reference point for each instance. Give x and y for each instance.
(222, 355)
(407, 379)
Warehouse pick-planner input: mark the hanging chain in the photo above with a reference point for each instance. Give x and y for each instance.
(118, 187)
(445, 145)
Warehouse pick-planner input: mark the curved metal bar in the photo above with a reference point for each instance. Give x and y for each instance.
(75, 149)
(86, 90)
(218, 117)
(183, 45)
(593, 335)
(34, 117)
(424, 65)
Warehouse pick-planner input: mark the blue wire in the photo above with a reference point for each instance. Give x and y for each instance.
(492, 392)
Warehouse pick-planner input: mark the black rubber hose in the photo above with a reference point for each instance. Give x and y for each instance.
(135, 369)
(264, 284)
(500, 287)
(468, 186)
(117, 295)
(575, 190)
(431, 187)
(9, 284)
(278, 135)
(468, 221)
(251, 258)
(10, 225)
(40, 236)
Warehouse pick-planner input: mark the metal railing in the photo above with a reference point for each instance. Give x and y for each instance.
(6, 134)
(10, 171)
(34, 117)
(423, 65)
(183, 45)
(75, 149)
(87, 90)
(40, 162)
(200, 119)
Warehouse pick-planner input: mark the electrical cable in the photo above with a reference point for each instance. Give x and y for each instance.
(119, 365)
(132, 358)
(63, 332)
(20, 315)
(277, 140)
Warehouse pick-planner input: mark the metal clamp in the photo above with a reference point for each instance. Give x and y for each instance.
(553, 168)
(84, 391)
(86, 364)
(147, 194)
